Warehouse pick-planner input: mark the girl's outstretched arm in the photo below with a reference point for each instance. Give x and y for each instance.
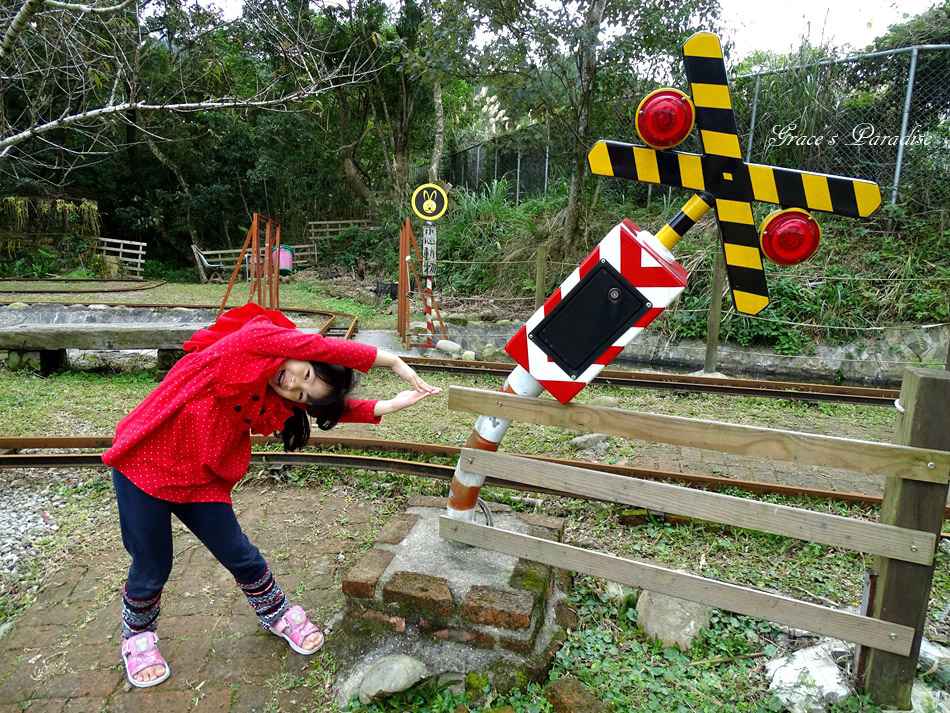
(401, 400)
(404, 372)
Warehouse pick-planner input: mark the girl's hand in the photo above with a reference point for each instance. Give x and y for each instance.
(407, 374)
(402, 400)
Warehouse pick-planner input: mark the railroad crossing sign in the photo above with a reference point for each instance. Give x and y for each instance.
(429, 201)
(724, 181)
(619, 288)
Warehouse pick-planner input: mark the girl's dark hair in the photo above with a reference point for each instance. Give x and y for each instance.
(326, 411)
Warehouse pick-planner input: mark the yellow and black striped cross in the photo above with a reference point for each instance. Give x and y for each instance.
(724, 181)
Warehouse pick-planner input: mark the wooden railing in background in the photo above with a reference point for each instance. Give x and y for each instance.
(131, 254)
(329, 228)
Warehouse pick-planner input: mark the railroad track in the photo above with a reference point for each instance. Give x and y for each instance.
(688, 383)
(344, 325)
(10, 457)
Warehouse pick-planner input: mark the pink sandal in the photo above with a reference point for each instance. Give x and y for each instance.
(300, 628)
(138, 653)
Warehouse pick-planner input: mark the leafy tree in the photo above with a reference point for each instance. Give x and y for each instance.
(551, 61)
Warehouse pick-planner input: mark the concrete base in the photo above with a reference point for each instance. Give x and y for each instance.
(468, 614)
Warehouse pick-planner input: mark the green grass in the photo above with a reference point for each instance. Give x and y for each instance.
(630, 672)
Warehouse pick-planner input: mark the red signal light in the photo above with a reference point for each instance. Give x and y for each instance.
(789, 236)
(664, 118)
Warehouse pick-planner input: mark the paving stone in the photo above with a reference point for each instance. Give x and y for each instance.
(187, 661)
(158, 698)
(251, 699)
(61, 587)
(422, 593)
(84, 657)
(331, 545)
(49, 705)
(18, 686)
(249, 658)
(497, 607)
(86, 704)
(89, 587)
(213, 700)
(360, 581)
(86, 683)
(27, 634)
(397, 528)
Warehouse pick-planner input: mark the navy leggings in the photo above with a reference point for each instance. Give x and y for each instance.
(146, 526)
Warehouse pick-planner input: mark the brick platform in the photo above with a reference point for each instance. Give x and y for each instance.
(459, 609)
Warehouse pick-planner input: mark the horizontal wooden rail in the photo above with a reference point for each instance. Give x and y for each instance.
(922, 464)
(826, 621)
(834, 530)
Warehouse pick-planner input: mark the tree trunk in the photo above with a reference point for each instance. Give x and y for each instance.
(587, 66)
(350, 172)
(439, 137)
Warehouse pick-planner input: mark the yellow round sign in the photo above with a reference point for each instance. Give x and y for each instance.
(429, 201)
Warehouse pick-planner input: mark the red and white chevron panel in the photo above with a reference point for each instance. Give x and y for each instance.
(645, 263)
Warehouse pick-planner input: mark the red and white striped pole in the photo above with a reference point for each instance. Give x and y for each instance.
(485, 436)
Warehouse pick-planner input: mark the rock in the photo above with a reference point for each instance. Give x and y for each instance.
(468, 356)
(607, 401)
(936, 657)
(457, 319)
(568, 695)
(924, 699)
(448, 346)
(389, 675)
(809, 680)
(588, 440)
(670, 620)
(616, 594)
(944, 546)
(490, 351)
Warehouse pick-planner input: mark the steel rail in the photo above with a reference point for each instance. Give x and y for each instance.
(441, 472)
(683, 382)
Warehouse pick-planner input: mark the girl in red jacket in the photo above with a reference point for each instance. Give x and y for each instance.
(185, 447)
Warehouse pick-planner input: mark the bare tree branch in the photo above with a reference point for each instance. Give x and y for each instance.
(78, 7)
(20, 21)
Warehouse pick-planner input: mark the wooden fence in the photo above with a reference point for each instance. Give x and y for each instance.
(903, 544)
(131, 254)
(330, 228)
(304, 256)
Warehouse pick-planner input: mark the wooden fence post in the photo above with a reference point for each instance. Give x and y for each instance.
(540, 276)
(903, 588)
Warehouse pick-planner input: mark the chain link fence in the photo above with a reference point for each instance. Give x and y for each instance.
(883, 116)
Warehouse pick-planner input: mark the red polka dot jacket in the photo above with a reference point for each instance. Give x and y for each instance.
(189, 440)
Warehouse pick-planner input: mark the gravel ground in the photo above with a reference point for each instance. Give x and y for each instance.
(31, 508)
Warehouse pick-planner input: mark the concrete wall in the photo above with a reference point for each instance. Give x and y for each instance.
(876, 361)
